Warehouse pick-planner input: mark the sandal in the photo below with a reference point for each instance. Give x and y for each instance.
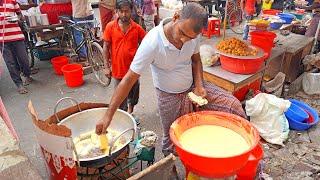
(22, 89)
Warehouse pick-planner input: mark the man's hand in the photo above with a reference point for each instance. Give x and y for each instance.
(200, 91)
(102, 125)
(139, 12)
(107, 72)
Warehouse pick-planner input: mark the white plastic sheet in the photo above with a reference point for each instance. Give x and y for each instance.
(266, 113)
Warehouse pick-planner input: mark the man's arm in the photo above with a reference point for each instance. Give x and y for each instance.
(197, 70)
(119, 95)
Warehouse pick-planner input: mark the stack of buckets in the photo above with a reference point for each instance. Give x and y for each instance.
(264, 40)
(73, 73)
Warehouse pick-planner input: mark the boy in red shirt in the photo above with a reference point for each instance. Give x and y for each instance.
(248, 9)
(121, 40)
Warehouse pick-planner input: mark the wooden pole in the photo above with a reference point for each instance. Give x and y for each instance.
(225, 19)
(316, 38)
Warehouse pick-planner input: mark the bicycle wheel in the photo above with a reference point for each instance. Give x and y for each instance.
(97, 64)
(235, 22)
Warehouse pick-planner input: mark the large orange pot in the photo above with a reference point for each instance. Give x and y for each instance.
(214, 167)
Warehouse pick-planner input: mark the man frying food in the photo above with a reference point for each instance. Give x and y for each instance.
(172, 51)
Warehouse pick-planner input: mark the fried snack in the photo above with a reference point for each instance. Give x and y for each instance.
(103, 141)
(236, 47)
(197, 99)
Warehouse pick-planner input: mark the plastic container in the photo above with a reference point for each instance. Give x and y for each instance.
(263, 39)
(288, 18)
(309, 110)
(271, 11)
(298, 16)
(214, 167)
(302, 126)
(296, 113)
(58, 62)
(249, 171)
(276, 25)
(73, 74)
(242, 66)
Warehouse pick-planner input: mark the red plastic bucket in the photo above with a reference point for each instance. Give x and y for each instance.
(213, 167)
(242, 66)
(73, 74)
(263, 39)
(249, 171)
(58, 62)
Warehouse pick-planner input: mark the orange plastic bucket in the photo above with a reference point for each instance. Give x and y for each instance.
(58, 62)
(213, 167)
(249, 171)
(73, 74)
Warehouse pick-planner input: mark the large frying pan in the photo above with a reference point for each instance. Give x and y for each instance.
(84, 121)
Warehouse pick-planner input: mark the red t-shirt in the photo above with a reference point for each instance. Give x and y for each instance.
(123, 46)
(249, 7)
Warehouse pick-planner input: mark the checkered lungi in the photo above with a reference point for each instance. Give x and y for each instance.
(171, 106)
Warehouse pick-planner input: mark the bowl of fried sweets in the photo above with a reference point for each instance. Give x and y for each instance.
(239, 57)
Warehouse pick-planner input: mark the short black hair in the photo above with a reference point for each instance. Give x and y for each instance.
(197, 13)
(121, 3)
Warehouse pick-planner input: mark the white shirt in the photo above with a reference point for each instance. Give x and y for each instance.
(171, 68)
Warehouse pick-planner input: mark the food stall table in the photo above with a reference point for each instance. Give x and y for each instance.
(237, 84)
(274, 62)
(296, 48)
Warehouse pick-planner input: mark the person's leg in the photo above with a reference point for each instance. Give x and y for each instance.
(246, 27)
(23, 59)
(11, 63)
(221, 100)
(133, 97)
(312, 29)
(79, 36)
(171, 106)
(148, 22)
(105, 16)
(124, 104)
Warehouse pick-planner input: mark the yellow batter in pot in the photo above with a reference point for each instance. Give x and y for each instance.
(213, 141)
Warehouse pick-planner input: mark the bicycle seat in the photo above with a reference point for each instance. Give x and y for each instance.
(65, 18)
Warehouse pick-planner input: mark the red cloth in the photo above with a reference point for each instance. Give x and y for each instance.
(249, 7)
(123, 46)
(55, 10)
(106, 16)
(9, 31)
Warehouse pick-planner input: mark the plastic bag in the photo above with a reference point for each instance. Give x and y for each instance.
(266, 113)
(310, 83)
(208, 56)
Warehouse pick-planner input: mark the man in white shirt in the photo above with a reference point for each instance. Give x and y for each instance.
(172, 51)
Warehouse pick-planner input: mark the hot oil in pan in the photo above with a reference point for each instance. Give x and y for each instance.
(88, 144)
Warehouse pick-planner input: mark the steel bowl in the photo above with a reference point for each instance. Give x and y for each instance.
(85, 121)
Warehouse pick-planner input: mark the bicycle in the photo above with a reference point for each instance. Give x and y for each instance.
(95, 56)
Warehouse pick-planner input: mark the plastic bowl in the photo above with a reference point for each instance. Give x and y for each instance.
(296, 113)
(276, 25)
(214, 167)
(271, 11)
(242, 66)
(302, 126)
(288, 18)
(307, 108)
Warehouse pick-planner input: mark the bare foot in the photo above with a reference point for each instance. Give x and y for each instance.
(22, 89)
